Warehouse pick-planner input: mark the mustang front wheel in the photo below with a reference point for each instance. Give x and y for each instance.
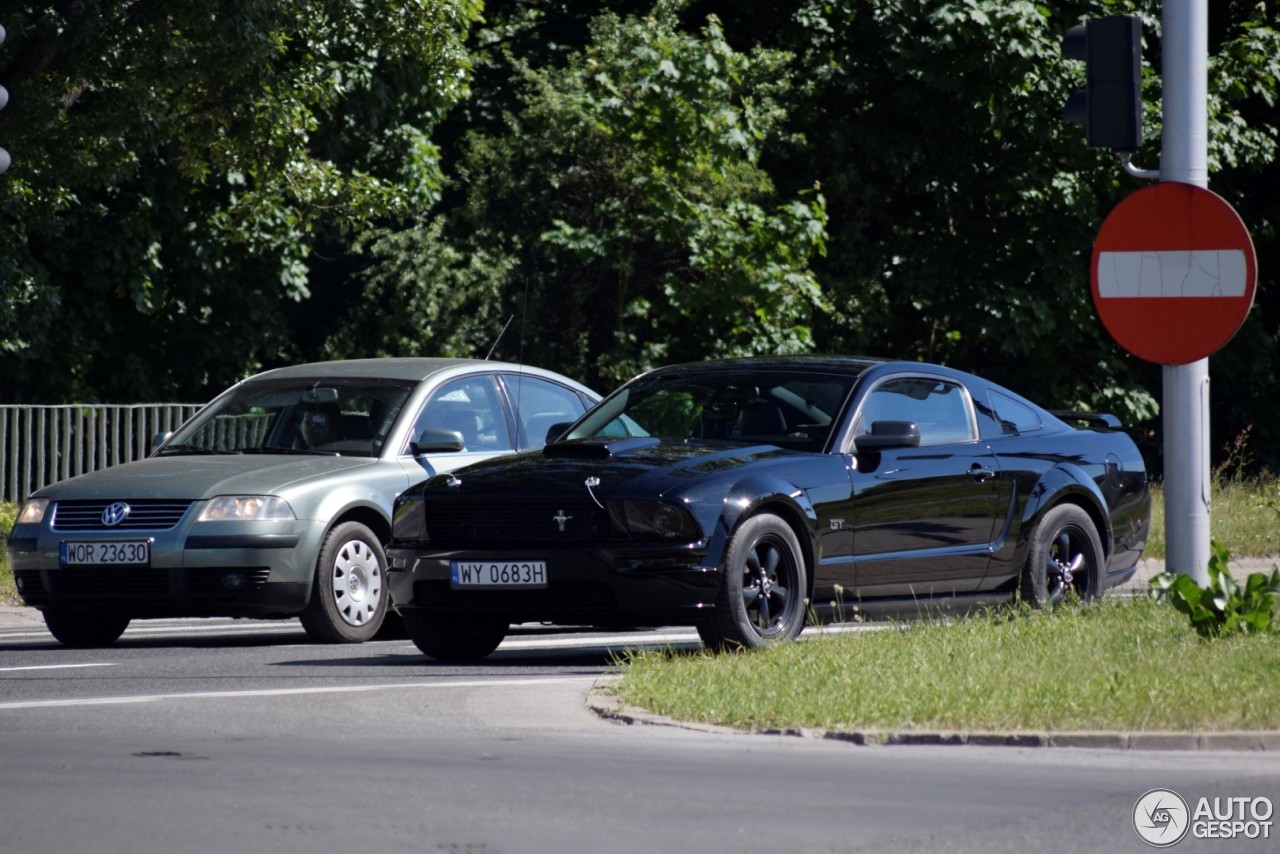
(762, 595)
(454, 638)
(1065, 556)
(348, 599)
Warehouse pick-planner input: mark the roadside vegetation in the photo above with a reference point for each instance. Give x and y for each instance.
(8, 593)
(1122, 665)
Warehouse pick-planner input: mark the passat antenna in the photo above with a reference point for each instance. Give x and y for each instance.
(499, 338)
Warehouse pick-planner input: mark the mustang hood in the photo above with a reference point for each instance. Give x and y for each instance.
(195, 477)
(621, 465)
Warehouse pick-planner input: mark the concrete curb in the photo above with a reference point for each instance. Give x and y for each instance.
(603, 703)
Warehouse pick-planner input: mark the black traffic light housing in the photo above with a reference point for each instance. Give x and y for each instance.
(1110, 105)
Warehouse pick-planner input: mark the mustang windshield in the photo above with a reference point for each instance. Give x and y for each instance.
(790, 409)
(326, 416)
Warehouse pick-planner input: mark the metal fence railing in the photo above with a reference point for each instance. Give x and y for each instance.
(40, 445)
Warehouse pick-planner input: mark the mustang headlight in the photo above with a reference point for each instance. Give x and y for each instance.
(649, 519)
(32, 512)
(246, 508)
(409, 519)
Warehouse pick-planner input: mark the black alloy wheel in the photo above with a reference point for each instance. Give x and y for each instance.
(762, 596)
(454, 638)
(1065, 559)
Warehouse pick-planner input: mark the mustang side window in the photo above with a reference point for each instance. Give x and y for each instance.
(1014, 417)
(937, 407)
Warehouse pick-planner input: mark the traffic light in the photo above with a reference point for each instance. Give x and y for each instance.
(4, 99)
(1110, 105)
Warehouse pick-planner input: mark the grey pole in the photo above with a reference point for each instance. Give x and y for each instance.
(1184, 157)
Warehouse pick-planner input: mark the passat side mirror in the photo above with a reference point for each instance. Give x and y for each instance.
(437, 441)
(555, 431)
(889, 434)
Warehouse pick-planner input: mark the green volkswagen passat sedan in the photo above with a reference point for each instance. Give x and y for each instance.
(275, 499)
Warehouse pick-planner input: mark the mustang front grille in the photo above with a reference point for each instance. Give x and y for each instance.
(459, 524)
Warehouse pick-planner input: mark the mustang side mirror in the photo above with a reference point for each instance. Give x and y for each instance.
(555, 431)
(889, 434)
(436, 441)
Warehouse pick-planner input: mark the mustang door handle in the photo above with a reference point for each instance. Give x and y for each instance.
(981, 473)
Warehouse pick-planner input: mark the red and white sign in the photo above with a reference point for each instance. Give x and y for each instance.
(1174, 272)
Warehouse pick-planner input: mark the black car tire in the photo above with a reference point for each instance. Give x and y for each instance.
(762, 595)
(349, 593)
(78, 629)
(1064, 536)
(454, 638)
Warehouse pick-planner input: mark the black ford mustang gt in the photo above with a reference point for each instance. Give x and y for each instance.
(746, 496)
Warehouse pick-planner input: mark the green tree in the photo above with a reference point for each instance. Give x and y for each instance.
(621, 214)
(174, 163)
(963, 207)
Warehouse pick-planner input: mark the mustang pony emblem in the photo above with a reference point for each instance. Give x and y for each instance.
(560, 519)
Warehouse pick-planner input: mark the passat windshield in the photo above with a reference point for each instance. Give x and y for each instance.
(343, 417)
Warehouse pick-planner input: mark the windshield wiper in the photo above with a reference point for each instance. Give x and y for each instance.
(272, 449)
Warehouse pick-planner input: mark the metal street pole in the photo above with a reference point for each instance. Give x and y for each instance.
(1184, 157)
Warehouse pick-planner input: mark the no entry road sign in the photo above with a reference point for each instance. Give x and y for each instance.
(1173, 273)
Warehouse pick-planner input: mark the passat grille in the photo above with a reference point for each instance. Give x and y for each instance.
(149, 515)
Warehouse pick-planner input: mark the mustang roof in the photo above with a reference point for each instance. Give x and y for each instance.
(842, 364)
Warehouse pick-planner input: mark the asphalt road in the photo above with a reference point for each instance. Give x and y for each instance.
(211, 736)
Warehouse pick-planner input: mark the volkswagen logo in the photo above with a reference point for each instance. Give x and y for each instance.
(115, 514)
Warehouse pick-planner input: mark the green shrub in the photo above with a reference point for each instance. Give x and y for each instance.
(1224, 607)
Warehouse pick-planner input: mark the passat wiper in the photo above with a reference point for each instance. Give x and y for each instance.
(271, 449)
(192, 449)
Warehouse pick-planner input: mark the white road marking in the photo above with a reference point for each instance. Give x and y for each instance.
(56, 666)
(293, 692)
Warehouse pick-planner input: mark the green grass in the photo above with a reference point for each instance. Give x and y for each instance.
(8, 593)
(1124, 664)
(1239, 517)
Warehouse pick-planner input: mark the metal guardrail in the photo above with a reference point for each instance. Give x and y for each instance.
(40, 445)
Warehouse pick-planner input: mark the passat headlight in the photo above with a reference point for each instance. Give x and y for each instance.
(32, 512)
(649, 519)
(245, 508)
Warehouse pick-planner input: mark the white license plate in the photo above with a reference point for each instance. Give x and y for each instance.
(109, 552)
(526, 574)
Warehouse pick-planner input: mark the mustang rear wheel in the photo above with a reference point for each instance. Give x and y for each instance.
(1065, 558)
(349, 596)
(454, 638)
(75, 629)
(762, 595)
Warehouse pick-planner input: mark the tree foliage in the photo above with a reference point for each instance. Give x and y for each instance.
(198, 192)
(172, 163)
(622, 213)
